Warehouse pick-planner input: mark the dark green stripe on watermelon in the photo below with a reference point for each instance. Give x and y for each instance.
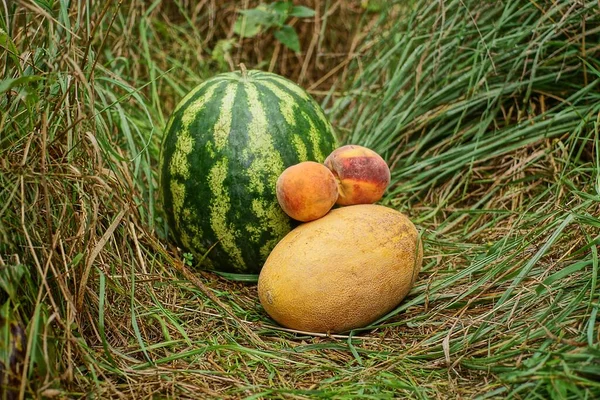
(183, 216)
(311, 118)
(221, 158)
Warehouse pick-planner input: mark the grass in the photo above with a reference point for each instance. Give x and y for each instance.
(488, 113)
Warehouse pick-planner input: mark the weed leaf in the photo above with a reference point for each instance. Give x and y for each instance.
(302, 12)
(288, 37)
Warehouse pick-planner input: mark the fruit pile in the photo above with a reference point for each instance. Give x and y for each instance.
(349, 266)
(245, 151)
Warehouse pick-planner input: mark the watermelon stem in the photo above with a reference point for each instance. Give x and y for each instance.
(244, 71)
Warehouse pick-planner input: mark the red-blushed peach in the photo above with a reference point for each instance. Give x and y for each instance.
(306, 191)
(362, 175)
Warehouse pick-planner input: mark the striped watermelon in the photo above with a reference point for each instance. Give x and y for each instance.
(224, 147)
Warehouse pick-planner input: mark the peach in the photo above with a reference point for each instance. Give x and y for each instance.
(306, 191)
(361, 173)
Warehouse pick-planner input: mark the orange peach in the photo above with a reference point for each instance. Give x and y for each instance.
(306, 191)
(361, 173)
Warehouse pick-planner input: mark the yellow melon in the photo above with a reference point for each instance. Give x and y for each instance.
(342, 271)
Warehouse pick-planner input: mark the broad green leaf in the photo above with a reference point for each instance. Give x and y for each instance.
(257, 15)
(251, 22)
(280, 12)
(10, 277)
(7, 84)
(246, 27)
(6, 41)
(288, 37)
(302, 12)
(282, 8)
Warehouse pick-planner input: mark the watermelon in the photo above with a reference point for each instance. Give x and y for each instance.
(224, 147)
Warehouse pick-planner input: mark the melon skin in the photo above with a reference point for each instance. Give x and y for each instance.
(342, 271)
(223, 149)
